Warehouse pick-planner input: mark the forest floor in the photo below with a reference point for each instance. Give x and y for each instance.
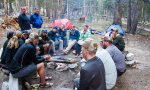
(135, 78)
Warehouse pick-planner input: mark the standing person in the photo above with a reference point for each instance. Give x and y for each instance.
(23, 19)
(62, 31)
(93, 72)
(73, 38)
(118, 41)
(83, 35)
(25, 36)
(36, 21)
(56, 41)
(9, 36)
(116, 55)
(21, 64)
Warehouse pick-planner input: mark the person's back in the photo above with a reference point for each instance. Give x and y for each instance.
(110, 68)
(93, 74)
(119, 41)
(117, 57)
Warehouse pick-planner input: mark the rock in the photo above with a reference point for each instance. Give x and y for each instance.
(130, 62)
(5, 86)
(130, 56)
(51, 65)
(125, 53)
(74, 65)
(61, 67)
(13, 83)
(73, 51)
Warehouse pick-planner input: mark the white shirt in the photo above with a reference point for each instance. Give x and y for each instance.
(110, 68)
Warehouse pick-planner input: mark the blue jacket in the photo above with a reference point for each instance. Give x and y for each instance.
(52, 35)
(62, 33)
(4, 48)
(24, 22)
(75, 36)
(24, 57)
(36, 21)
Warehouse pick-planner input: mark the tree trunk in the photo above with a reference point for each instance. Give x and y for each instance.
(6, 7)
(136, 18)
(84, 7)
(47, 9)
(57, 9)
(117, 14)
(129, 16)
(10, 7)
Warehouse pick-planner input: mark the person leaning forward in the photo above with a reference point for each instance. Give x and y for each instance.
(21, 64)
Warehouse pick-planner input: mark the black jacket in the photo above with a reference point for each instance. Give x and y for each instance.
(62, 33)
(92, 75)
(24, 57)
(52, 35)
(22, 41)
(4, 48)
(45, 39)
(24, 22)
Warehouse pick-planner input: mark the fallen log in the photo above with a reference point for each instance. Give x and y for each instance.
(62, 61)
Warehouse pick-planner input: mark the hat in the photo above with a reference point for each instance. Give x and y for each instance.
(44, 30)
(10, 34)
(55, 27)
(86, 25)
(25, 32)
(81, 42)
(106, 38)
(115, 29)
(34, 36)
(112, 28)
(90, 45)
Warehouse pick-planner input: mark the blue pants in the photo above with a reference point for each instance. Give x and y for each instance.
(76, 83)
(65, 43)
(78, 49)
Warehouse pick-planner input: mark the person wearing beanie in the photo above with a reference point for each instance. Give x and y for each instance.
(83, 35)
(92, 74)
(53, 34)
(25, 62)
(45, 43)
(73, 38)
(62, 32)
(9, 36)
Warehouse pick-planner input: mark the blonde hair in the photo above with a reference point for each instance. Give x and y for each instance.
(14, 41)
(32, 37)
(29, 40)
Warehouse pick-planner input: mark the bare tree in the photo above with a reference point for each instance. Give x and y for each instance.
(129, 16)
(6, 7)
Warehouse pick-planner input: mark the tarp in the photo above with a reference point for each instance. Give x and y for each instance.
(120, 30)
(58, 23)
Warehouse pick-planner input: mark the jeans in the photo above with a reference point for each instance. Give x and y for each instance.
(76, 83)
(65, 43)
(78, 49)
(120, 73)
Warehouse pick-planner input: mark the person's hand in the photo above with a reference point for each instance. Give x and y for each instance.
(56, 34)
(52, 41)
(63, 29)
(75, 88)
(37, 48)
(47, 57)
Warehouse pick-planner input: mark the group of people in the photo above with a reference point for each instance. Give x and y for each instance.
(100, 65)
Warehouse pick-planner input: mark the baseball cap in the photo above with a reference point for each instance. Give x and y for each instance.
(34, 36)
(112, 28)
(25, 32)
(106, 38)
(115, 29)
(80, 42)
(90, 45)
(55, 27)
(44, 30)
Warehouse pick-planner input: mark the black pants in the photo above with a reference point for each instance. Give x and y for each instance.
(120, 73)
(119, 47)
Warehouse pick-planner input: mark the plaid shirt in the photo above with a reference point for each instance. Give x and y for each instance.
(86, 35)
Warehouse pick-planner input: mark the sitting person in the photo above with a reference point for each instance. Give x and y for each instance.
(12, 48)
(73, 38)
(83, 35)
(93, 72)
(9, 36)
(110, 72)
(45, 43)
(25, 36)
(62, 32)
(110, 33)
(56, 41)
(22, 66)
(116, 55)
(118, 41)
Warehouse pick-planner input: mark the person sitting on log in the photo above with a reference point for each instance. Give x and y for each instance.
(73, 38)
(25, 62)
(25, 36)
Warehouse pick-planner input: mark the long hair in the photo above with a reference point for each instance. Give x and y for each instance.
(14, 41)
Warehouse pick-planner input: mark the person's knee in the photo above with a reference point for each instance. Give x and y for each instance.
(40, 65)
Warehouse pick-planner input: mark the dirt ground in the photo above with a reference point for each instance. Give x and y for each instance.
(135, 78)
